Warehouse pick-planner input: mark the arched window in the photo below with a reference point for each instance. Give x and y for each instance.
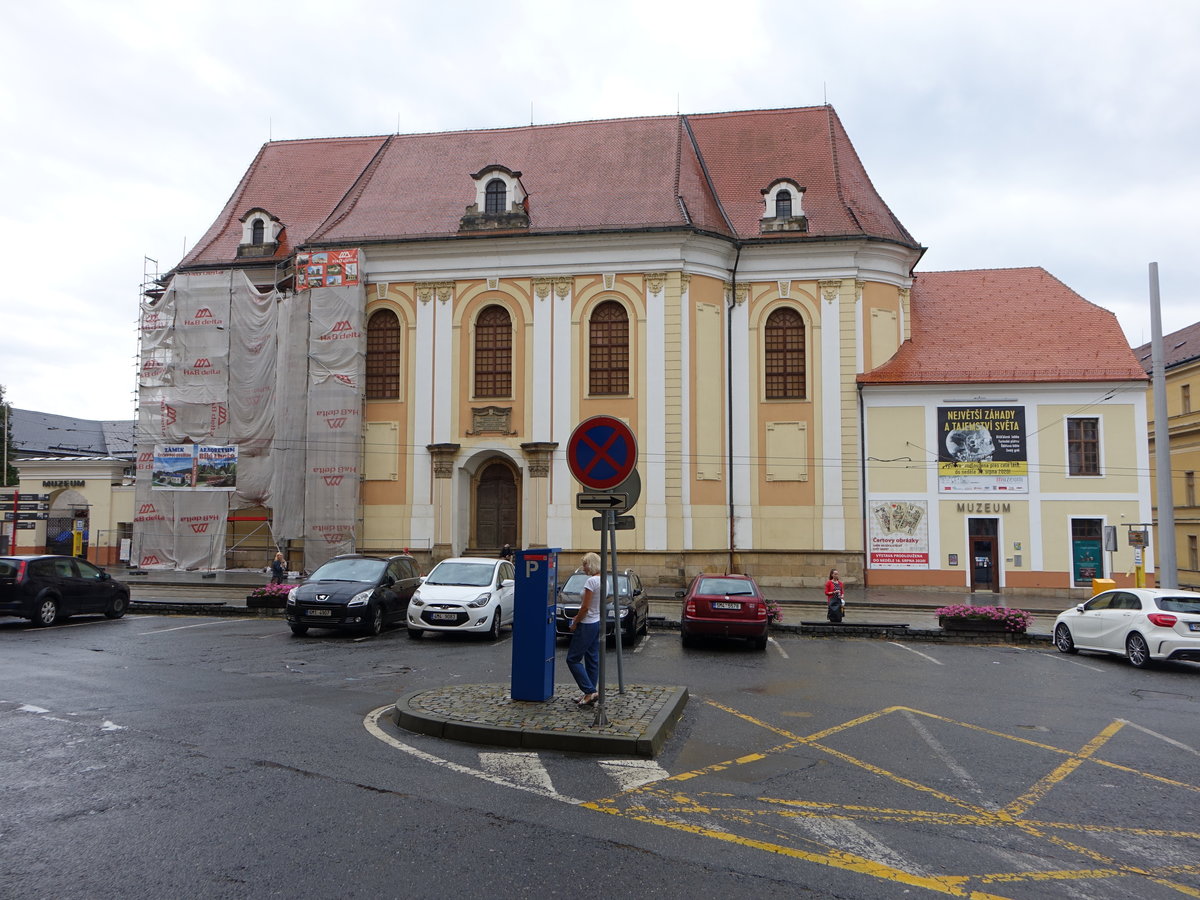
(257, 229)
(783, 204)
(608, 349)
(493, 353)
(383, 356)
(785, 355)
(494, 197)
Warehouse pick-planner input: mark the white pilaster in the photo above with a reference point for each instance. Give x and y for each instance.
(652, 449)
(830, 463)
(739, 412)
(562, 422)
(422, 394)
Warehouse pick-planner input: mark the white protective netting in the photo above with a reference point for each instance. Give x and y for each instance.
(277, 376)
(336, 367)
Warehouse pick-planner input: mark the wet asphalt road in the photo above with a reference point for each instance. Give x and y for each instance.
(160, 756)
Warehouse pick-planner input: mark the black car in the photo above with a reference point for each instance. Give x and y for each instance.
(634, 604)
(47, 589)
(361, 593)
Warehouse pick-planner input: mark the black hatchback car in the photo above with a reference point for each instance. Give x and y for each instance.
(356, 592)
(48, 589)
(634, 605)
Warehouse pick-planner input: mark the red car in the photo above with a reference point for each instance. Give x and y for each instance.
(724, 606)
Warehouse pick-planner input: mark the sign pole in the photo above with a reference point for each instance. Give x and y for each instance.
(610, 522)
(601, 717)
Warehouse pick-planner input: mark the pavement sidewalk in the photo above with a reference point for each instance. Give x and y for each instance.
(913, 607)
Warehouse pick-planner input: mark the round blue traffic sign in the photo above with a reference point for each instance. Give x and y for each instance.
(602, 452)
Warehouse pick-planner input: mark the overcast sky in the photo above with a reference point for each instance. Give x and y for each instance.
(1054, 133)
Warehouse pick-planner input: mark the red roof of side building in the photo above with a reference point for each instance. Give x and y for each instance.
(1179, 347)
(695, 172)
(1006, 325)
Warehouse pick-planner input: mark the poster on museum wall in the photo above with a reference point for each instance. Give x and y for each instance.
(981, 449)
(898, 534)
(185, 467)
(326, 268)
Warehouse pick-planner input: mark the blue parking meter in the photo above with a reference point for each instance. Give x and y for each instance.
(535, 593)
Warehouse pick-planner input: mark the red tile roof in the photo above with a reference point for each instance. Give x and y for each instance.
(1179, 347)
(703, 172)
(1006, 325)
(299, 182)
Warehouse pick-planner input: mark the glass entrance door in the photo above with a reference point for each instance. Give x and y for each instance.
(983, 539)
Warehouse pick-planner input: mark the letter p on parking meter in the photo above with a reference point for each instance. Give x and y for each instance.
(535, 596)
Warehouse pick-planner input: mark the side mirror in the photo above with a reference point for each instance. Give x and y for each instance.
(104, 576)
(680, 594)
(1080, 608)
(507, 582)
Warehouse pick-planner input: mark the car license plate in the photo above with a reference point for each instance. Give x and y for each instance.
(1194, 626)
(320, 612)
(443, 617)
(718, 604)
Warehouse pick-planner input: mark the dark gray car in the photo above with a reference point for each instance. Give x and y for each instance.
(356, 592)
(635, 606)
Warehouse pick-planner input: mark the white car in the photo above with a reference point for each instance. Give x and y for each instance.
(1143, 624)
(464, 594)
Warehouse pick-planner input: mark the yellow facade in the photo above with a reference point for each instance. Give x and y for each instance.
(1183, 420)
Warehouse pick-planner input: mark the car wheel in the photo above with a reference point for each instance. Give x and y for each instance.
(299, 630)
(760, 643)
(686, 639)
(415, 633)
(47, 612)
(116, 609)
(1137, 651)
(375, 625)
(1063, 640)
(629, 635)
(494, 630)
(644, 628)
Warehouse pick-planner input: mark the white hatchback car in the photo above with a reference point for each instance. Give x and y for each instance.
(1143, 624)
(464, 594)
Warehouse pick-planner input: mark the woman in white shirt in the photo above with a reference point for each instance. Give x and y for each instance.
(583, 654)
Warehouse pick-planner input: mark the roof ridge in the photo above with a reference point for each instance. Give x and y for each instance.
(837, 171)
(712, 190)
(344, 206)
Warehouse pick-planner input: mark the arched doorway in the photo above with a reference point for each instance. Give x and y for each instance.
(497, 509)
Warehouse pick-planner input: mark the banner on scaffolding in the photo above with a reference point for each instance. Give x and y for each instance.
(326, 268)
(201, 467)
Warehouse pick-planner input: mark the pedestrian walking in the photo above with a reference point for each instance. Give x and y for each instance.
(278, 569)
(583, 654)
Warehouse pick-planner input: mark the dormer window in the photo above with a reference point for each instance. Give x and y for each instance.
(494, 195)
(260, 233)
(783, 202)
(499, 201)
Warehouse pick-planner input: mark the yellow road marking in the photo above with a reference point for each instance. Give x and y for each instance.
(671, 803)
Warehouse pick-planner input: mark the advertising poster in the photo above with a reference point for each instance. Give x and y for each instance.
(184, 467)
(216, 467)
(174, 467)
(981, 449)
(326, 268)
(898, 535)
